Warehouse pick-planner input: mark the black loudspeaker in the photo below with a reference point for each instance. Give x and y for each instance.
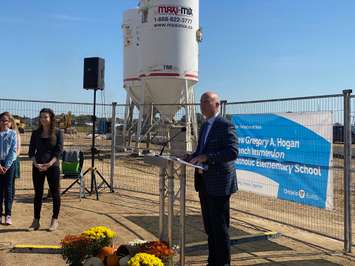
(94, 73)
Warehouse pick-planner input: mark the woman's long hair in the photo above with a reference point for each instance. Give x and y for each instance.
(51, 132)
(12, 121)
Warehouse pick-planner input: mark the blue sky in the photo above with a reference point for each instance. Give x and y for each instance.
(252, 49)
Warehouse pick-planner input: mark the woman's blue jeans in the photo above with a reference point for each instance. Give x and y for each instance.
(6, 192)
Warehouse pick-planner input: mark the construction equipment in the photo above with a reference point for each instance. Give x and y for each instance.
(20, 124)
(65, 122)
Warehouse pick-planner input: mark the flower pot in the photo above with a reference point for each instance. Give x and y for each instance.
(124, 260)
(93, 261)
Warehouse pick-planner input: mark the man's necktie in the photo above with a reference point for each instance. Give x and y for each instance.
(203, 136)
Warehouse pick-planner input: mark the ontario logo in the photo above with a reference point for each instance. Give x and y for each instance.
(175, 10)
(301, 193)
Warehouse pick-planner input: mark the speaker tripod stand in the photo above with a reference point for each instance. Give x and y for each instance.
(93, 170)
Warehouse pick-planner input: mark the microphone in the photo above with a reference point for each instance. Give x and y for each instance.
(183, 129)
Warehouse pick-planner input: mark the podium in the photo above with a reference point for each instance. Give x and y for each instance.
(167, 172)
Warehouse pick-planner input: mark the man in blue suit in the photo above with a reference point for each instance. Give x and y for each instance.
(216, 150)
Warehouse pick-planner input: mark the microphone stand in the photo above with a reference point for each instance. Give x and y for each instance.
(183, 129)
(93, 170)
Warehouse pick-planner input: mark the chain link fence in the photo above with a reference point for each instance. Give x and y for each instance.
(130, 173)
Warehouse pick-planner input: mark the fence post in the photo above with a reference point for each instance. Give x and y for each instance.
(171, 198)
(113, 145)
(347, 171)
(182, 213)
(223, 108)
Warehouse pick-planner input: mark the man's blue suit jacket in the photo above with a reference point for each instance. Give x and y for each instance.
(221, 150)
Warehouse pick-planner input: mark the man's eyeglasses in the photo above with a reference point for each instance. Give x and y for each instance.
(4, 120)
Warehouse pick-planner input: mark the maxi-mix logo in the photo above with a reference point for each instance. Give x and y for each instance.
(175, 10)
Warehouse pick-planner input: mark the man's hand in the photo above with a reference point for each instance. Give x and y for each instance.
(186, 157)
(202, 158)
(2, 170)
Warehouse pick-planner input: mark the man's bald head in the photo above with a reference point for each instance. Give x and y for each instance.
(211, 95)
(209, 103)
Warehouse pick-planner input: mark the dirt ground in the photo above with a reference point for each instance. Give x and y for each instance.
(135, 215)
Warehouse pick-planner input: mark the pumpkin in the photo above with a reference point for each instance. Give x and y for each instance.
(105, 251)
(112, 260)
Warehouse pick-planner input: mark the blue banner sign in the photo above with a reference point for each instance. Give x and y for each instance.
(286, 155)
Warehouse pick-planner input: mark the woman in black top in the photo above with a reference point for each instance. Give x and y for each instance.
(46, 146)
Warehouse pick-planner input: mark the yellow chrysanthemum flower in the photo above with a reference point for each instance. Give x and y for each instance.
(99, 232)
(145, 259)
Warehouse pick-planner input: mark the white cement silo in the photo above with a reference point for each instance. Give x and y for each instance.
(161, 63)
(131, 28)
(169, 62)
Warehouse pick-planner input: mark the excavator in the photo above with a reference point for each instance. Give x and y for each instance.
(65, 122)
(20, 124)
